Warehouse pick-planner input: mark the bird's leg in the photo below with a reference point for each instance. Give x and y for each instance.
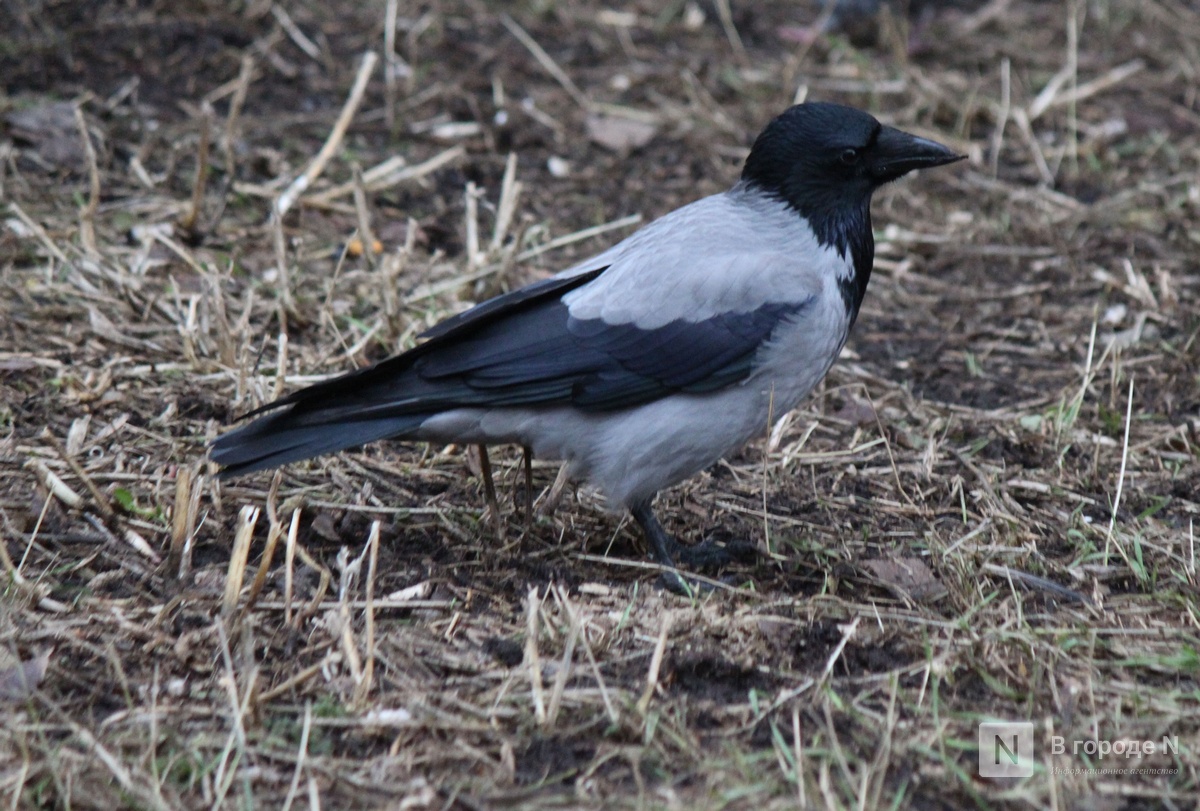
(706, 555)
(665, 547)
(489, 491)
(528, 455)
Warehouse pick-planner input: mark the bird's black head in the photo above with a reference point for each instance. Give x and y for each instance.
(824, 161)
(820, 157)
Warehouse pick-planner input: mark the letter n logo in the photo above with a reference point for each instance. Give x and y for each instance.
(1006, 749)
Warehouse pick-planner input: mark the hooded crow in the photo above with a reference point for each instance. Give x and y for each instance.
(654, 359)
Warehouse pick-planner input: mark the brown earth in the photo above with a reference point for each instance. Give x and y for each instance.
(976, 517)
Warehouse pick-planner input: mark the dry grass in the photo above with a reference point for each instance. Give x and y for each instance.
(988, 512)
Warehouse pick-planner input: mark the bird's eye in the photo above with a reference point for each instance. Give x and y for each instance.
(849, 156)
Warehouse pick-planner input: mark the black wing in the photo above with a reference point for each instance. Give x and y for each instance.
(442, 333)
(526, 349)
(546, 356)
(509, 302)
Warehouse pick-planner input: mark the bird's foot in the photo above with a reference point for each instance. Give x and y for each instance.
(711, 555)
(705, 555)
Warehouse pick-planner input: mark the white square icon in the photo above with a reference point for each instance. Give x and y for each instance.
(1006, 749)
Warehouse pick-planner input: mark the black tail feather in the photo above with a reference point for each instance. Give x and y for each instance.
(279, 438)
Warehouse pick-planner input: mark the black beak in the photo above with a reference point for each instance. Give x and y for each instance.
(897, 153)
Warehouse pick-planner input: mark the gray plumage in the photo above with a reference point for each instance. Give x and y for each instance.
(654, 359)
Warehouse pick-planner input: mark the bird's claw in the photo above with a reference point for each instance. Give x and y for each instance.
(705, 555)
(710, 555)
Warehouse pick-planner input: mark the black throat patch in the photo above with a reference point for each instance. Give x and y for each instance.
(846, 228)
(851, 237)
(840, 218)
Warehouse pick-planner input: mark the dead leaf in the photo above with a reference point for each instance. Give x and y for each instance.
(15, 363)
(418, 591)
(106, 329)
(618, 133)
(908, 576)
(19, 681)
(388, 717)
(51, 131)
(324, 526)
(857, 412)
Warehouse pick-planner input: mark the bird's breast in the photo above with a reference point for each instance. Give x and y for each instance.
(801, 350)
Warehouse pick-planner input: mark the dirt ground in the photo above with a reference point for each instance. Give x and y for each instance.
(987, 512)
